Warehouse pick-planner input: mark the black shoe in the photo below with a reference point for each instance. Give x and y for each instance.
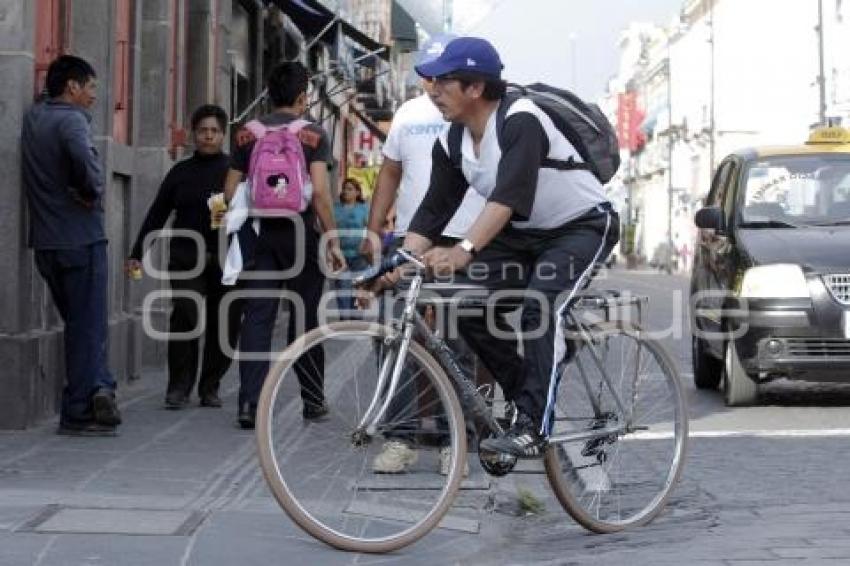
(105, 408)
(210, 400)
(522, 440)
(247, 415)
(86, 428)
(175, 400)
(315, 412)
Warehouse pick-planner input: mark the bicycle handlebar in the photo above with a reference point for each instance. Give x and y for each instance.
(389, 263)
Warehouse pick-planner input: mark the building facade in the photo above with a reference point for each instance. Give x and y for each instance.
(721, 76)
(156, 61)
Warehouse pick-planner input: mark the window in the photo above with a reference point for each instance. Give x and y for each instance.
(121, 77)
(51, 36)
(798, 190)
(718, 184)
(731, 193)
(176, 85)
(243, 33)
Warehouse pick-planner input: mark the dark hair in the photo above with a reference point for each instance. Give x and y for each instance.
(356, 183)
(67, 68)
(286, 82)
(209, 111)
(494, 89)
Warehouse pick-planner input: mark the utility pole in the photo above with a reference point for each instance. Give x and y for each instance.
(447, 16)
(711, 118)
(669, 159)
(821, 76)
(573, 61)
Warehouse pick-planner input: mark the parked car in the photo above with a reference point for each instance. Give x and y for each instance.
(771, 276)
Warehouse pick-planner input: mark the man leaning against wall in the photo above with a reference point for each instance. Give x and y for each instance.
(63, 182)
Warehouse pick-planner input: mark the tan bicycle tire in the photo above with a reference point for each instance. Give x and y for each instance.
(552, 466)
(276, 483)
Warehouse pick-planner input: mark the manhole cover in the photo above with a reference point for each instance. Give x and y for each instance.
(154, 522)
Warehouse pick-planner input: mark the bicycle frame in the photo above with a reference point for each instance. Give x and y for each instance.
(471, 399)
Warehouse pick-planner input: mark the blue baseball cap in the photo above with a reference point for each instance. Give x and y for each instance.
(470, 54)
(434, 47)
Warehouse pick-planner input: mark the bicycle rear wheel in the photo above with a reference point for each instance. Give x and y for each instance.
(621, 479)
(321, 472)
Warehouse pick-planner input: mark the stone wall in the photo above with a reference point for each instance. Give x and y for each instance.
(31, 339)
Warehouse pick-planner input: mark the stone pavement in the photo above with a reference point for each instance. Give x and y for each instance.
(184, 488)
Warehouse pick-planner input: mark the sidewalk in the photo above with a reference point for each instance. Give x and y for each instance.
(184, 488)
(176, 487)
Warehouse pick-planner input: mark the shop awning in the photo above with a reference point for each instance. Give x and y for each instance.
(313, 18)
(404, 29)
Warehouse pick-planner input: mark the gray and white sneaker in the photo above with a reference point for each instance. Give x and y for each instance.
(395, 458)
(521, 440)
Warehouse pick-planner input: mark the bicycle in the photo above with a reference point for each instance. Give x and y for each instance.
(615, 453)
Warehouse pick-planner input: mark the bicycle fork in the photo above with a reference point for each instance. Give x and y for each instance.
(393, 365)
(394, 361)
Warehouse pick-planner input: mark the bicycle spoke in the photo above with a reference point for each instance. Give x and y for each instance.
(611, 482)
(321, 471)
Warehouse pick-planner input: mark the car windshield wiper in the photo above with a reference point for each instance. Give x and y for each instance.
(772, 223)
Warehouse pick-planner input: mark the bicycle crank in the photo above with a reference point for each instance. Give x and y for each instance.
(495, 463)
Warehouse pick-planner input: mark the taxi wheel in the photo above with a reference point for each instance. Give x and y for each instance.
(707, 369)
(738, 388)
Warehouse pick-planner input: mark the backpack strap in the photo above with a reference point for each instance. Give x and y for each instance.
(455, 141)
(502, 111)
(565, 165)
(257, 128)
(515, 93)
(296, 126)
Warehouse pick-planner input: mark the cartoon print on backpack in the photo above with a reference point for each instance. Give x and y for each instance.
(279, 184)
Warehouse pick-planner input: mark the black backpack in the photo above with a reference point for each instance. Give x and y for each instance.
(582, 123)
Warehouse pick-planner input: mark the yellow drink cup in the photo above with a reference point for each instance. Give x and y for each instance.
(217, 207)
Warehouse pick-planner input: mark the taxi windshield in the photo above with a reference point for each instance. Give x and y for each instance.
(797, 190)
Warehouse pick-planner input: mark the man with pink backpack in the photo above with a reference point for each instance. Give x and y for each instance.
(285, 161)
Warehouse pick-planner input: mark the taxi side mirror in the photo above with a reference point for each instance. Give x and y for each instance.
(711, 218)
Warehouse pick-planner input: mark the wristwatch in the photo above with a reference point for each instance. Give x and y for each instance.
(467, 246)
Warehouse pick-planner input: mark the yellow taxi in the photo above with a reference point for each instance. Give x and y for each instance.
(770, 284)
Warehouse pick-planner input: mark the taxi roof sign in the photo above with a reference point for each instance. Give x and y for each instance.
(831, 135)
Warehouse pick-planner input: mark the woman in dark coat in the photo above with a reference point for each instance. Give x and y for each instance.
(188, 191)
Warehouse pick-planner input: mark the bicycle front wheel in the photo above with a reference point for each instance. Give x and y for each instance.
(322, 472)
(620, 429)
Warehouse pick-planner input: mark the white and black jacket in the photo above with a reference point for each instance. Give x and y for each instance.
(512, 175)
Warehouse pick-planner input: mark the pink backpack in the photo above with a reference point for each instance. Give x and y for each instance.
(278, 169)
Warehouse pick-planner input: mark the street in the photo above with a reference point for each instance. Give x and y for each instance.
(761, 485)
(179, 169)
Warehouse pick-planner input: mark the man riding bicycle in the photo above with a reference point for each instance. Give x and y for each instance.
(541, 232)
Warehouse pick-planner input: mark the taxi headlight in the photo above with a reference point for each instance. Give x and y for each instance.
(777, 281)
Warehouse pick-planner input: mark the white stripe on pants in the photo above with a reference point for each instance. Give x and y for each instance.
(560, 340)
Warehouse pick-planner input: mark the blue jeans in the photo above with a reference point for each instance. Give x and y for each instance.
(275, 251)
(77, 281)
